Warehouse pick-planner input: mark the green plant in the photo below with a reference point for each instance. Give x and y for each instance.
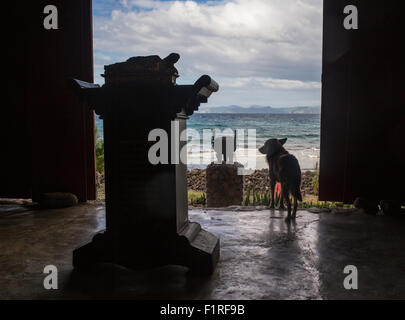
(247, 197)
(265, 199)
(324, 205)
(196, 198)
(315, 180)
(255, 198)
(277, 198)
(202, 200)
(99, 145)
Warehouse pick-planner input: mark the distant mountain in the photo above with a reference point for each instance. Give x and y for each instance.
(261, 109)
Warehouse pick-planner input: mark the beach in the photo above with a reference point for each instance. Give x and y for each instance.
(302, 131)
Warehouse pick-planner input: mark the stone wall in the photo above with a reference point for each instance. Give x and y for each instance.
(259, 180)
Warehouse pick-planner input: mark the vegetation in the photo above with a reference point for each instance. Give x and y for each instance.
(99, 143)
(197, 198)
(324, 205)
(255, 198)
(315, 179)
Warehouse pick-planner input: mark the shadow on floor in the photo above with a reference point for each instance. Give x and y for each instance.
(107, 281)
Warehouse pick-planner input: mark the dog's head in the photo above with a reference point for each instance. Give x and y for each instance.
(272, 146)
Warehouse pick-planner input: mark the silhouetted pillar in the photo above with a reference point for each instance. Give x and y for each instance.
(146, 203)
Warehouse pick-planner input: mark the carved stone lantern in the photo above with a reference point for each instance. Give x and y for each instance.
(146, 204)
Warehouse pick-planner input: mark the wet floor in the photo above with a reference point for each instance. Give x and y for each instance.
(262, 257)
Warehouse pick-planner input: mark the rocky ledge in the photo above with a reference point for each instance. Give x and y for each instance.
(196, 180)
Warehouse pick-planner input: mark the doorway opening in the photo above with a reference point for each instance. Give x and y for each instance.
(266, 57)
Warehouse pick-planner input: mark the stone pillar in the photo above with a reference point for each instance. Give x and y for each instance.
(146, 204)
(224, 185)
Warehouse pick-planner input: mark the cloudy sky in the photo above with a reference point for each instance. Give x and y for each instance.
(261, 52)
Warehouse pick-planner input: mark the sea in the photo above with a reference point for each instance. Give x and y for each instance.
(301, 130)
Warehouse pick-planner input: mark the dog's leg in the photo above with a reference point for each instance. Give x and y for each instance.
(282, 207)
(287, 198)
(272, 188)
(295, 208)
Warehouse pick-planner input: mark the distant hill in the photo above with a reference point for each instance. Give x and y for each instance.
(261, 109)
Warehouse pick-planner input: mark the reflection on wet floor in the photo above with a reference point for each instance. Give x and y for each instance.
(262, 257)
(267, 254)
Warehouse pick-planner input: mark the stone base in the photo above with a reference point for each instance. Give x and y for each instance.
(55, 200)
(193, 247)
(224, 185)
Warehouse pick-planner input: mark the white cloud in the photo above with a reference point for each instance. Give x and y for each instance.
(102, 57)
(265, 43)
(257, 82)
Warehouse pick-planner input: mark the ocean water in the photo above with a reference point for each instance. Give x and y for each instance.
(302, 131)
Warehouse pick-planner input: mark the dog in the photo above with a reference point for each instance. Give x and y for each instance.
(283, 168)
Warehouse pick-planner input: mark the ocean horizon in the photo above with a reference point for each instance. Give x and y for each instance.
(302, 131)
